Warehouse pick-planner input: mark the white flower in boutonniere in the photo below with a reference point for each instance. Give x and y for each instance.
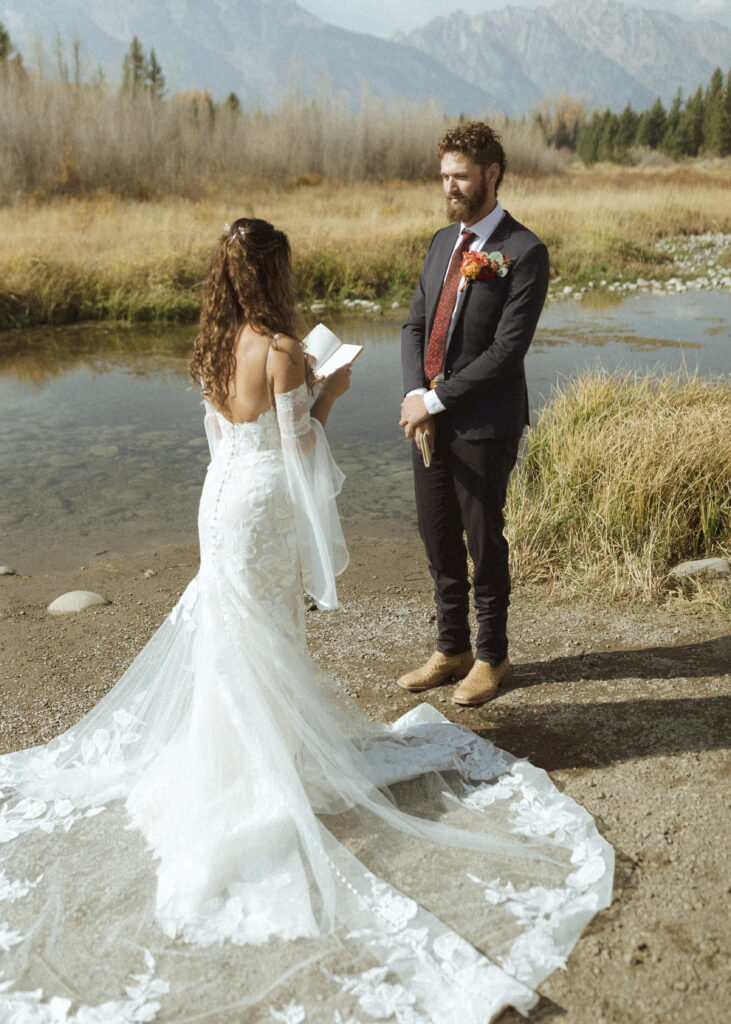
(481, 266)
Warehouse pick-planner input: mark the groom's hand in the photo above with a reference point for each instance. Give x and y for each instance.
(413, 413)
(428, 429)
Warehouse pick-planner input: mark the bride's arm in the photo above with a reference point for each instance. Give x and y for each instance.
(331, 389)
(287, 372)
(313, 478)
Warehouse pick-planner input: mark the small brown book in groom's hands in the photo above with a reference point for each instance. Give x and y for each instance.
(425, 448)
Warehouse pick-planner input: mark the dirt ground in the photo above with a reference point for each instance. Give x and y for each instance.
(626, 707)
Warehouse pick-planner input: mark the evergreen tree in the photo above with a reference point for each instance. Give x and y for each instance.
(626, 132)
(691, 125)
(154, 78)
(724, 134)
(607, 136)
(10, 59)
(671, 139)
(587, 140)
(6, 47)
(712, 108)
(652, 126)
(233, 103)
(134, 68)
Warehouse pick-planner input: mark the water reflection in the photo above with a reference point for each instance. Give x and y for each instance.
(101, 435)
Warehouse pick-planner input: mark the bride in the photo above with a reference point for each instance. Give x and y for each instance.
(226, 837)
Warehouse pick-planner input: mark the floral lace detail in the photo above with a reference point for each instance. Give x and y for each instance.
(29, 814)
(12, 891)
(96, 760)
(142, 1004)
(290, 1014)
(435, 975)
(542, 911)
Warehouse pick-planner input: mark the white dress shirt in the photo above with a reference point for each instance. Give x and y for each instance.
(483, 229)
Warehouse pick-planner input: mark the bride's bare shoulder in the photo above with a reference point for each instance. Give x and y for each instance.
(286, 363)
(285, 347)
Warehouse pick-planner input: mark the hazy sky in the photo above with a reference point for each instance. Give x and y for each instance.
(384, 17)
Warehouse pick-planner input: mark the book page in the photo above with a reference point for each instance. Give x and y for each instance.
(321, 343)
(345, 354)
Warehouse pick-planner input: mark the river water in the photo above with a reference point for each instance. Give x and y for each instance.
(102, 451)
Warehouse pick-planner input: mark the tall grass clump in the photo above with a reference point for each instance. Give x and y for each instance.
(67, 138)
(623, 476)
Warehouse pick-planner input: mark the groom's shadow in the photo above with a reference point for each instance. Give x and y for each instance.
(598, 729)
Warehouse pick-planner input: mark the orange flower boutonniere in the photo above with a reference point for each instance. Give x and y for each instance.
(480, 266)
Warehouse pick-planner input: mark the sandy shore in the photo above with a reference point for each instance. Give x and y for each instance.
(625, 707)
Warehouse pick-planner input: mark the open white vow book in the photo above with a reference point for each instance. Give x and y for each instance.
(328, 350)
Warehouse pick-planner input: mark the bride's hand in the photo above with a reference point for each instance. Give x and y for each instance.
(337, 383)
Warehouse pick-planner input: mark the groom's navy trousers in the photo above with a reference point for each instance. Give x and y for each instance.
(477, 435)
(464, 490)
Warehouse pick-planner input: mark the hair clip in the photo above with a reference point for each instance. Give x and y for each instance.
(226, 228)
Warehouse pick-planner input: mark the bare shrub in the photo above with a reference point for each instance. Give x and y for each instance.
(72, 138)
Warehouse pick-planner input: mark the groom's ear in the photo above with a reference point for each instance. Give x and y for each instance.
(491, 175)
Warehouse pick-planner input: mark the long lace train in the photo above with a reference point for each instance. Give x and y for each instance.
(227, 837)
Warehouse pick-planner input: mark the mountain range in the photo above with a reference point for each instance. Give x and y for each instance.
(608, 53)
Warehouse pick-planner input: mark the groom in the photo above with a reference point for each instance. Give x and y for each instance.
(462, 350)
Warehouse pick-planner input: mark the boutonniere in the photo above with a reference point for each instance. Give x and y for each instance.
(481, 266)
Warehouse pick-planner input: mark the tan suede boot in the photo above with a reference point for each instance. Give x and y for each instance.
(482, 683)
(439, 669)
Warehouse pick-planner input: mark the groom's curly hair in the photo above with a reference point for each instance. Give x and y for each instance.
(476, 140)
(249, 282)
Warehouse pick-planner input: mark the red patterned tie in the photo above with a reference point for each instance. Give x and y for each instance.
(442, 317)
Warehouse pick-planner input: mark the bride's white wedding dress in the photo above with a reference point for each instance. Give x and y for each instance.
(226, 837)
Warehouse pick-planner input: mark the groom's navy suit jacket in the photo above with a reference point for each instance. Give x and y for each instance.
(484, 391)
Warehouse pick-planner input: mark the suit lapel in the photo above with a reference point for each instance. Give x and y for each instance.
(499, 236)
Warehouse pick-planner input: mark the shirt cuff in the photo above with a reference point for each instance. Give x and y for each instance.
(416, 391)
(432, 403)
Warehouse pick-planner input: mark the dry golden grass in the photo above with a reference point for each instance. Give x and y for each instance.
(108, 258)
(623, 477)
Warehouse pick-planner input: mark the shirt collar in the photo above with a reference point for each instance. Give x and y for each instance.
(485, 227)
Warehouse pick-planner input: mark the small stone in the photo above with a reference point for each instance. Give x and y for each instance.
(75, 601)
(680, 986)
(718, 566)
(318, 307)
(5, 570)
(149, 573)
(568, 289)
(395, 305)
(103, 449)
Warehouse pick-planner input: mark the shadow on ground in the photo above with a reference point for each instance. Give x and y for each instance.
(706, 658)
(597, 729)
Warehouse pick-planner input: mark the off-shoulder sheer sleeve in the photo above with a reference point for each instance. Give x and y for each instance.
(212, 427)
(314, 482)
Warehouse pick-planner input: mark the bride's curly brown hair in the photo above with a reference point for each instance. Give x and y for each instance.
(249, 282)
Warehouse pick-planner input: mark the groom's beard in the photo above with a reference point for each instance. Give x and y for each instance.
(464, 208)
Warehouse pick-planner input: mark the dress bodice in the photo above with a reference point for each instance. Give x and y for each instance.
(259, 435)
